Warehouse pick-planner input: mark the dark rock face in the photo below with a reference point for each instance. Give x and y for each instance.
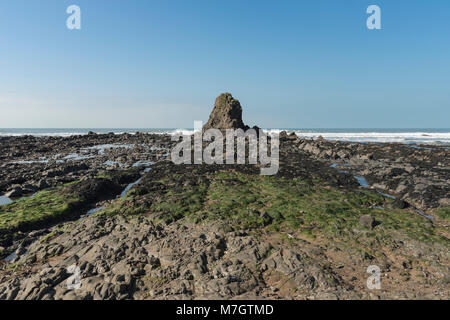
(16, 192)
(418, 175)
(400, 204)
(95, 189)
(227, 114)
(284, 136)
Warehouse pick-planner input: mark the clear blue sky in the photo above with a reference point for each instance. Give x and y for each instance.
(143, 63)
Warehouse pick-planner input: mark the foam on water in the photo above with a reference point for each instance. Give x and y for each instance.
(410, 136)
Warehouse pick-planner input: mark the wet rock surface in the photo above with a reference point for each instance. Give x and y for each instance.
(158, 242)
(35, 163)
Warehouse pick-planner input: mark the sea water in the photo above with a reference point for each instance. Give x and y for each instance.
(409, 136)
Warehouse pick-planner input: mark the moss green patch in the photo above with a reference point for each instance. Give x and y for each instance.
(48, 237)
(253, 202)
(123, 206)
(27, 212)
(246, 201)
(443, 213)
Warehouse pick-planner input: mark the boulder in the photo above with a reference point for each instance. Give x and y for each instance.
(43, 184)
(283, 135)
(14, 193)
(400, 204)
(367, 221)
(92, 190)
(292, 136)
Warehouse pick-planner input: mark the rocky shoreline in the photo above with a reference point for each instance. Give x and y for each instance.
(113, 213)
(29, 163)
(415, 174)
(137, 246)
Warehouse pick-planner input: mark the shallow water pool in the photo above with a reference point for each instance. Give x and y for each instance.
(5, 200)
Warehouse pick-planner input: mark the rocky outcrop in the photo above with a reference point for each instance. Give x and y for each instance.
(122, 258)
(145, 247)
(418, 175)
(31, 164)
(227, 114)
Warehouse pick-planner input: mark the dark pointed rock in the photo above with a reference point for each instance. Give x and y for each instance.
(227, 114)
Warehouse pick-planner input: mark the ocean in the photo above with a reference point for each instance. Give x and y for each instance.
(410, 136)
